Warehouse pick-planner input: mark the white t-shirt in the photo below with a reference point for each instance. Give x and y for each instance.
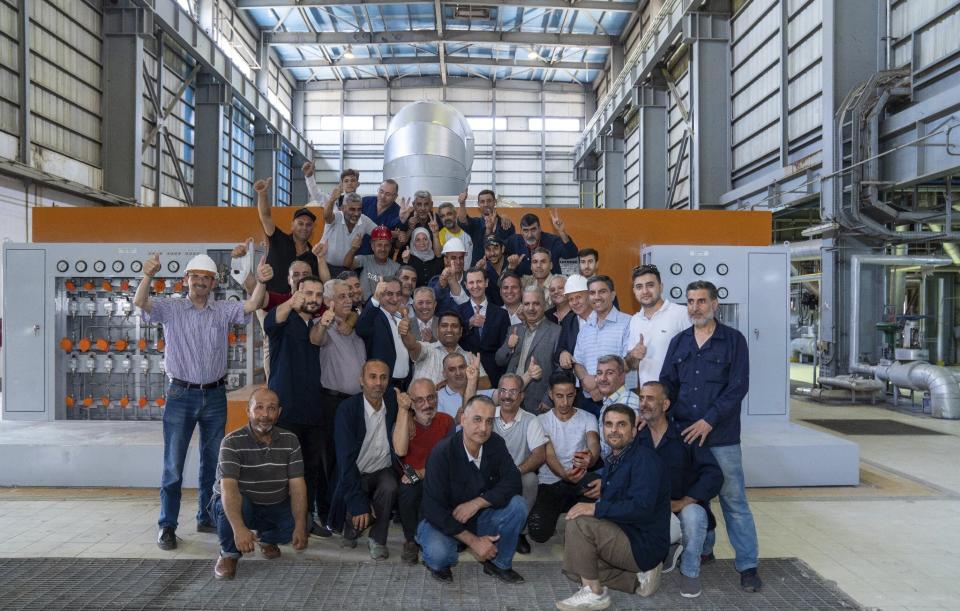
(523, 435)
(567, 437)
(338, 239)
(657, 332)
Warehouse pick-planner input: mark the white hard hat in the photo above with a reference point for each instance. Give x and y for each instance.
(202, 263)
(454, 245)
(575, 284)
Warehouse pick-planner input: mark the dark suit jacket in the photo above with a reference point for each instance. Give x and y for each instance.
(415, 325)
(349, 430)
(374, 329)
(569, 329)
(558, 250)
(543, 347)
(489, 341)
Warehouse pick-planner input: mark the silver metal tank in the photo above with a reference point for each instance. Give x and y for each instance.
(429, 145)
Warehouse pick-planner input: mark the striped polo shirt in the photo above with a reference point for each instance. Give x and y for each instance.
(261, 470)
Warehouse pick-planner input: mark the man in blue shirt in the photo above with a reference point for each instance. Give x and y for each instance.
(532, 237)
(603, 333)
(707, 374)
(619, 541)
(382, 209)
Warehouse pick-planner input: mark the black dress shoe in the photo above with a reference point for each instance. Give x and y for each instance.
(442, 575)
(167, 539)
(206, 527)
(504, 575)
(319, 530)
(523, 546)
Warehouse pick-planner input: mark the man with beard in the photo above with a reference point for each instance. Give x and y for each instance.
(450, 229)
(341, 227)
(652, 328)
(295, 377)
(706, 373)
(285, 247)
(450, 285)
(486, 324)
(428, 356)
(540, 266)
(417, 214)
(471, 495)
(620, 540)
(382, 209)
(532, 237)
(489, 224)
(611, 382)
(494, 262)
(247, 495)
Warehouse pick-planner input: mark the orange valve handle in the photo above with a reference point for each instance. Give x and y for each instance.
(124, 401)
(178, 286)
(106, 286)
(142, 344)
(70, 286)
(161, 345)
(69, 400)
(66, 345)
(88, 401)
(142, 402)
(83, 344)
(161, 401)
(159, 286)
(243, 338)
(231, 338)
(120, 345)
(102, 344)
(105, 401)
(88, 286)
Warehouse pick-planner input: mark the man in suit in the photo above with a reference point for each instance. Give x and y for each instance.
(529, 345)
(485, 324)
(367, 484)
(423, 315)
(377, 326)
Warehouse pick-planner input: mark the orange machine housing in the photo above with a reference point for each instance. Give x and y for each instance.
(618, 235)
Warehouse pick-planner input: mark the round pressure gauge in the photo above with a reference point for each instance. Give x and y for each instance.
(722, 292)
(699, 269)
(676, 269)
(62, 266)
(80, 266)
(99, 266)
(173, 267)
(136, 267)
(722, 269)
(118, 266)
(676, 292)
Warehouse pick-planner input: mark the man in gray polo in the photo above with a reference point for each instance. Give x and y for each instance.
(260, 486)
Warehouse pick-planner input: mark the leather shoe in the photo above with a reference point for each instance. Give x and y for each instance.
(504, 575)
(270, 551)
(318, 529)
(226, 568)
(167, 538)
(442, 575)
(206, 527)
(523, 546)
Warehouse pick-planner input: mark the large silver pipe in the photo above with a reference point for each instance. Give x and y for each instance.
(851, 383)
(808, 250)
(938, 381)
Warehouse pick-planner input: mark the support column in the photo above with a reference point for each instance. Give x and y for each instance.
(211, 97)
(205, 10)
(611, 151)
(708, 35)
(266, 144)
(24, 155)
(652, 124)
(298, 105)
(124, 28)
(262, 74)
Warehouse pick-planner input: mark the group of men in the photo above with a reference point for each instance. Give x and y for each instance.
(476, 402)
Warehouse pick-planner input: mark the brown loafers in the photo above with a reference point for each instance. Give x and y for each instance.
(270, 551)
(226, 568)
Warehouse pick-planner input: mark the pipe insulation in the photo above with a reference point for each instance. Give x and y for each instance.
(938, 381)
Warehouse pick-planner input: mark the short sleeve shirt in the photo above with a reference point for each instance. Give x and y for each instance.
(523, 435)
(567, 437)
(657, 332)
(283, 252)
(425, 438)
(262, 470)
(338, 239)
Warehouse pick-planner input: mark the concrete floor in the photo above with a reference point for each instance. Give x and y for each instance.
(893, 542)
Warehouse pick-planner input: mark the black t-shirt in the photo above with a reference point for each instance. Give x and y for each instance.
(283, 252)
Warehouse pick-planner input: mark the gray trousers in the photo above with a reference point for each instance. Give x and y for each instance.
(598, 549)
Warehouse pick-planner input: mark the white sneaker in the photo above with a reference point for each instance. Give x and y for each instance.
(649, 581)
(585, 599)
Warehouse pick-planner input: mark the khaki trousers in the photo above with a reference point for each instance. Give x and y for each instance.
(598, 549)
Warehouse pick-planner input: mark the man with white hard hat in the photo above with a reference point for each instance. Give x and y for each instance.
(578, 299)
(196, 331)
(450, 285)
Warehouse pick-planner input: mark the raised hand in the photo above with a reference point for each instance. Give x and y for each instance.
(490, 224)
(558, 224)
(481, 263)
(434, 227)
(403, 326)
(462, 199)
(327, 319)
(307, 169)
(151, 266)
(445, 276)
(320, 250)
(639, 351)
(402, 237)
(534, 370)
(514, 339)
(477, 320)
(297, 300)
(241, 250)
(264, 271)
(514, 261)
(506, 223)
(406, 209)
(356, 241)
(263, 184)
(405, 255)
(473, 368)
(404, 402)
(335, 194)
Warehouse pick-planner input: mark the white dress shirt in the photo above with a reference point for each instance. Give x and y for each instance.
(375, 451)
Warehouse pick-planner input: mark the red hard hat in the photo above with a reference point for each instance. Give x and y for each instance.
(381, 233)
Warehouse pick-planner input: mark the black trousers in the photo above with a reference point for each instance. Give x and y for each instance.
(381, 488)
(315, 442)
(409, 508)
(552, 500)
(328, 456)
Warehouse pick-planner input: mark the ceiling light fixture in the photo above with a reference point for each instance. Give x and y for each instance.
(533, 54)
(349, 53)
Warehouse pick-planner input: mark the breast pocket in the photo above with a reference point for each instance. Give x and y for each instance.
(718, 369)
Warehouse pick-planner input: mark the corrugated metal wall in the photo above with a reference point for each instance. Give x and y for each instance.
(680, 73)
(631, 163)
(515, 165)
(9, 75)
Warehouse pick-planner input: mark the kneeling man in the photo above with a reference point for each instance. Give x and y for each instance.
(619, 541)
(472, 494)
(259, 487)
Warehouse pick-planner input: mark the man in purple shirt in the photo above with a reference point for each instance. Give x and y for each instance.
(195, 329)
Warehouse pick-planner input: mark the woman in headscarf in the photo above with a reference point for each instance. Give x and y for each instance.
(423, 255)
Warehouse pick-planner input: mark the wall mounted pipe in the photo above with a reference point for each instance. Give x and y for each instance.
(429, 146)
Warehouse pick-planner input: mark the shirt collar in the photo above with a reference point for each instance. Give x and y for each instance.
(536, 325)
(663, 308)
(368, 408)
(617, 395)
(476, 461)
(256, 440)
(482, 304)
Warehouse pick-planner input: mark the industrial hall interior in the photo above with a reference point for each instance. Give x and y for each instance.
(479, 304)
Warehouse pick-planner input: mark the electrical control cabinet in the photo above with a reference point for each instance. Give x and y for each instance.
(752, 285)
(75, 346)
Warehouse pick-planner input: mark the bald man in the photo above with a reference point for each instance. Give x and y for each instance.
(246, 496)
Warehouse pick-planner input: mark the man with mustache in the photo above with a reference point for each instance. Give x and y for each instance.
(248, 496)
(532, 237)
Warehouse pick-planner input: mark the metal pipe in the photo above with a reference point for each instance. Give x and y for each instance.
(851, 383)
(938, 381)
(805, 251)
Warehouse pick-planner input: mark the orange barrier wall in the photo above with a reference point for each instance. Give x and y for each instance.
(617, 234)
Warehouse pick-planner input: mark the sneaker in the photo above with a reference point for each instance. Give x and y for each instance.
(377, 551)
(673, 558)
(750, 581)
(167, 539)
(410, 553)
(585, 599)
(689, 586)
(649, 581)
(319, 530)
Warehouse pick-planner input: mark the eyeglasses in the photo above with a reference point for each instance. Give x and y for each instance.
(428, 399)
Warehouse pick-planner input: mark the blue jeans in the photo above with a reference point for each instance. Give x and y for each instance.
(186, 408)
(693, 524)
(741, 530)
(440, 550)
(273, 523)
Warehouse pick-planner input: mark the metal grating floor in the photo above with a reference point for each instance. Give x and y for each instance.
(867, 426)
(74, 583)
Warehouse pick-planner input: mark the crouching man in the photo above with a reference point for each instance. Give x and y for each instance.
(259, 487)
(472, 495)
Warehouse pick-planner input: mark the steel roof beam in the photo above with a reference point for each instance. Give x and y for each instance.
(583, 5)
(450, 59)
(434, 37)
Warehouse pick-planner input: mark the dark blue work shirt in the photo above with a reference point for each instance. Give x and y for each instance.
(692, 469)
(557, 247)
(389, 219)
(708, 382)
(476, 227)
(294, 369)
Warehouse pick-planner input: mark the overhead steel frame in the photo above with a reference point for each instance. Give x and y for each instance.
(436, 37)
(583, 5)
(449, 59)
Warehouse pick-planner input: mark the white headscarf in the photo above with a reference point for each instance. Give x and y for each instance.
(423, 255)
